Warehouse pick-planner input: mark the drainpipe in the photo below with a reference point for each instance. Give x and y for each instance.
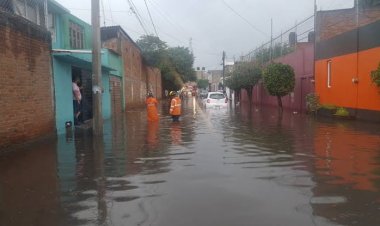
(46, 14)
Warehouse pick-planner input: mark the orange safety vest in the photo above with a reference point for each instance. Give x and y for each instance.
(151, 106)
(175, 106)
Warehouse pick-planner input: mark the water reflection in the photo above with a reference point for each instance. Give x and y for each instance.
(215, 167)
(29, 191)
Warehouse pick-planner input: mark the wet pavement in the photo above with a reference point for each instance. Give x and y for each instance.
(221, 167)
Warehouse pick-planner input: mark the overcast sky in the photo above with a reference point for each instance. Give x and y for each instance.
(235, 26)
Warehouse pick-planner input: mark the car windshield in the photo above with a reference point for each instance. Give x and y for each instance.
(217, 96)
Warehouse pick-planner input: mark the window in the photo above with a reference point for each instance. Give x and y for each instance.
(29, 10)
(76, 36)
(329, 63)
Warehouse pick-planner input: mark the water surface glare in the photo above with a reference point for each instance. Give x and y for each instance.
(217, 167)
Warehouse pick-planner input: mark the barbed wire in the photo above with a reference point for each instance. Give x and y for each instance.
(283, 43)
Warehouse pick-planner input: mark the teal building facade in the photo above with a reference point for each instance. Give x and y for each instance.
(72, 58)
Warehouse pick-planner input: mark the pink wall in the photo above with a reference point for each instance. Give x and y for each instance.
(302, 61)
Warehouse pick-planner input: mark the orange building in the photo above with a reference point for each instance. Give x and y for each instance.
(347, 51)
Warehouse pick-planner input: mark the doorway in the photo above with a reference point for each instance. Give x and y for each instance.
(85, 85)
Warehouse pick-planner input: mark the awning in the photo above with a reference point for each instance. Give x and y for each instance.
(77, 59)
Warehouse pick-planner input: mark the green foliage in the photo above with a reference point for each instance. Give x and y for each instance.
(150, 43)
(232, 82)
(340, 111)
(375, 76)
(182, 59)
(247, 74)
(263, 55)
(153, 49)
(175, 63)
(279, 79)
(329, 106)
(312, 102)
(202, 83)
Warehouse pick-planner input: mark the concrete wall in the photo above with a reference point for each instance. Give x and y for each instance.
(302, 61)
(27, 108)
(353, 53)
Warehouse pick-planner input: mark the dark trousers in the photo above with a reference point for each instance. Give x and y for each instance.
(77, 108)
(175, 118)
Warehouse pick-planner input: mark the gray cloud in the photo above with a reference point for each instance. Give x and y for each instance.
(213, 25)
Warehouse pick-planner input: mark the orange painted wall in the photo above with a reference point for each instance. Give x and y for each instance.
(343, 92)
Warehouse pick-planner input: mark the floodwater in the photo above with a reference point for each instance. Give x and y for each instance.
(217, 167)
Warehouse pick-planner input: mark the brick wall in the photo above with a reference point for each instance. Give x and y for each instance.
(138, 77)
(27, 110)
(335, 22)
(154, 81)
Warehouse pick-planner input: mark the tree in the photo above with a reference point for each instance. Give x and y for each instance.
(175, 64)
(248, 75)
(182, 59)
(202, 83)
(233, 82)
(153, 49)
(279, 80)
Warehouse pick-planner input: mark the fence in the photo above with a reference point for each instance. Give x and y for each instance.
(283, 43)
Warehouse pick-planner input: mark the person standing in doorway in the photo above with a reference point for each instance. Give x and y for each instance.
(151, 107)
(175, 106)
(77, 102)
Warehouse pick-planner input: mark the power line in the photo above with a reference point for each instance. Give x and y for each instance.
(150, 16)
(109, 6)
(166, 17)
(134, 11)
(243, 18)
(104, 14)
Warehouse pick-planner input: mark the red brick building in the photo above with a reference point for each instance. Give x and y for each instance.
(138, 77)
(27, 108)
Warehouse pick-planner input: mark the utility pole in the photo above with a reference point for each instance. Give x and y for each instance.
(224, 63)
(97, 125)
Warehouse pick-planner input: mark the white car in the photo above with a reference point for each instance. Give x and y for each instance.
(215, 100)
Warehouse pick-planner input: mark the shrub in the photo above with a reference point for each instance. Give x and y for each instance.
(312, 102)
(375, 76)
(340, 111)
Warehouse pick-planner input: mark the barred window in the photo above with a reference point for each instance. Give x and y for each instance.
(30, 10)
(76, 36)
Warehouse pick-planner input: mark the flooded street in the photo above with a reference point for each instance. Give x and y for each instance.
(221, 167)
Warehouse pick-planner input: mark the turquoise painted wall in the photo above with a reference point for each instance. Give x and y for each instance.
(63, 95)
(106, 97)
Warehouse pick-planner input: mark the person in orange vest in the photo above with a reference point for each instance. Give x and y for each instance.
(175, 106)
(151, 107)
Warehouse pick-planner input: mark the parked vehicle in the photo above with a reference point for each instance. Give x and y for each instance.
(215, 100)
(203, 94)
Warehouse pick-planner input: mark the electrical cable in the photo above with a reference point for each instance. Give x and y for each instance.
(110, 10)
(134, 11)
(243, 18)
(150, 16)
(104, 13)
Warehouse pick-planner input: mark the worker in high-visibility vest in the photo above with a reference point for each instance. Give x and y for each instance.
(151, 107)
(175, 106)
